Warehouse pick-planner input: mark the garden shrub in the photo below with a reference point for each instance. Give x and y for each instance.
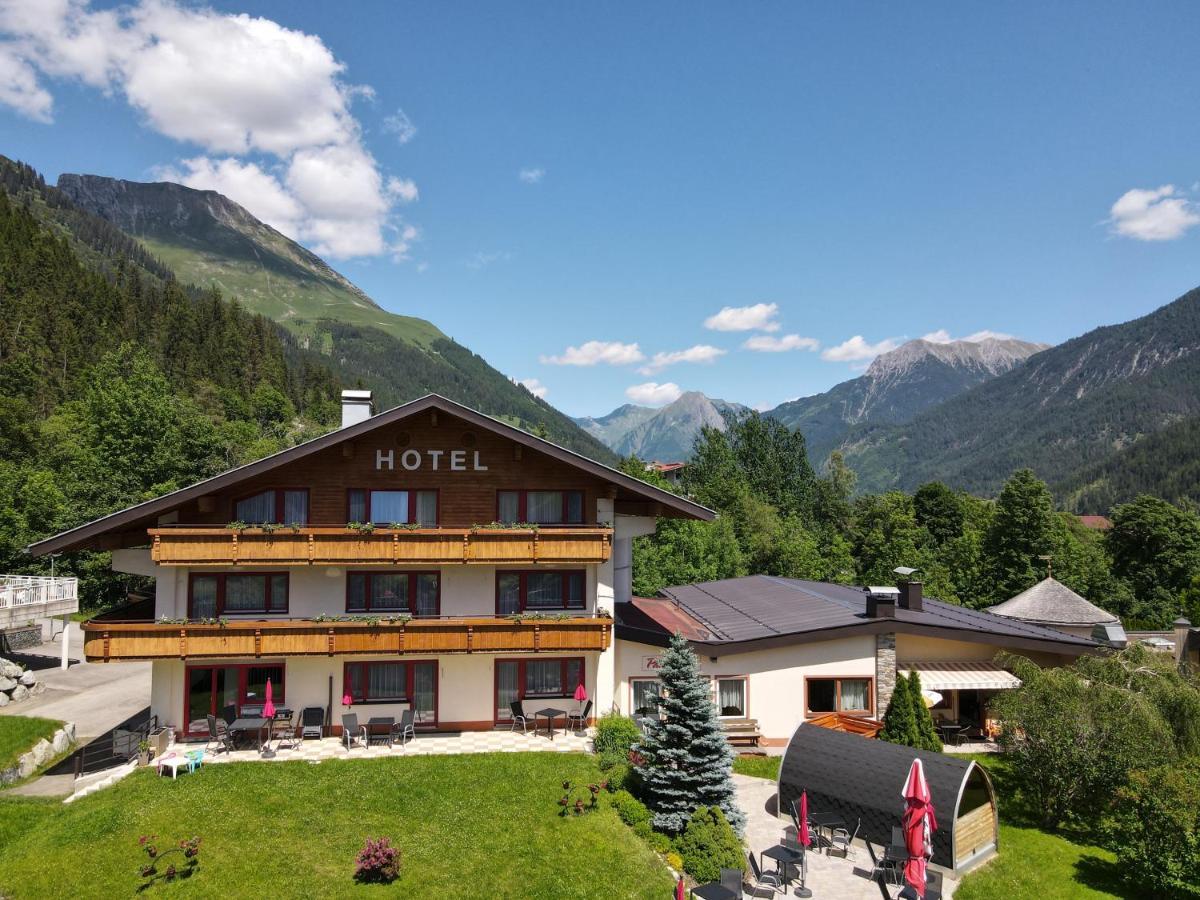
(632, 811)
(659, 842)
(644, 830)
(615, 734)
(610, 759)
(675, 861)
(708, 844)
(1157, 826)
(378, 862)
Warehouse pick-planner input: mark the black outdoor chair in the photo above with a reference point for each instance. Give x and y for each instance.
(229, 713)
(581, 717)
(403, 730)
(519, 717)
(766, 884)
(283, 729)
(884, 870)
(218, 733)
(352, 731)
(731, 880)
(312, 722)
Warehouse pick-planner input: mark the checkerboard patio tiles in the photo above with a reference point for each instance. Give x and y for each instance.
(499, 741)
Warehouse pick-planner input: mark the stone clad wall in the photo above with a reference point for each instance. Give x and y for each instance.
(885, 671)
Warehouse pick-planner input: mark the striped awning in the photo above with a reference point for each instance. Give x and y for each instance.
(962, 676)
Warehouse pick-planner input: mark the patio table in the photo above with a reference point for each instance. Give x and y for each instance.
(785, 856)
(830, 821)
(550, 713)
(174, 762)
(240, 726)
(713, 891)
(381, 726)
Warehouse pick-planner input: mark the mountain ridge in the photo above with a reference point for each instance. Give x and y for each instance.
(666, 433)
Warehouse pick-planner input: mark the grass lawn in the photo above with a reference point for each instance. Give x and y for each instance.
(1035, 864)
(758, 766)
(470, 825)
(18, 734)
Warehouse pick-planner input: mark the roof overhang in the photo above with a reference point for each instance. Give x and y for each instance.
(656, 500)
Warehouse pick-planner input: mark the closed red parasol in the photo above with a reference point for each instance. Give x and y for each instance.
(269, 706)
(919, 823)
(802, 835)
(580, 693)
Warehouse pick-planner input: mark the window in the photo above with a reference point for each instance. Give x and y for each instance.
(416, 593)
(287, 506)
(731, 697)
(542, 507)
(520, 591)
(414, 683)
(521, 679)
(222, 593)
(842, 695)
(646, 694)
(386, 507)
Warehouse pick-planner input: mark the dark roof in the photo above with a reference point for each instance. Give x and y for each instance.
(1050, 602)
(758, 611)
(856, 777)
(145, 513)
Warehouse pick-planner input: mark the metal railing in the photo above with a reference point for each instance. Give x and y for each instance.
(31, 590)
(117, 747)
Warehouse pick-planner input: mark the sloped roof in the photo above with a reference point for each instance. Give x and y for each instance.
(1051, 602)
(144, 514)
(740, 614)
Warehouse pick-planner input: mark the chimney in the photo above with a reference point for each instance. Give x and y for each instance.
(912, 596)
(881, 602)
(356, 407)
(1183, 627)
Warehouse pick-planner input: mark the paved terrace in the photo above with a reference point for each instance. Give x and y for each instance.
(440, 743)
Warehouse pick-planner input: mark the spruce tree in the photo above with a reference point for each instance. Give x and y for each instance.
(899, 722)
(929, 739)
(686, 760)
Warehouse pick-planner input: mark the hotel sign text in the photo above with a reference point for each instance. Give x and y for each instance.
(412, 460)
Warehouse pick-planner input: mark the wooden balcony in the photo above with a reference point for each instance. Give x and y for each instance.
(116, 641)
(339, 546)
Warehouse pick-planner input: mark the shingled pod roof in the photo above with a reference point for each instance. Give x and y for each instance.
(855, 777)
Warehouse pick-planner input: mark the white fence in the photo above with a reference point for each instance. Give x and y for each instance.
(21, 591)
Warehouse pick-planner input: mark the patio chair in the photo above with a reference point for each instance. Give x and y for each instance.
(403, 730)
(731, 880)
(581, 717)
(229, 713)
(352, 731)
(842, 841)
(312, 722)
(766, 884)
(218, 733)
(883, 867)
(519, 717)
(282, 728)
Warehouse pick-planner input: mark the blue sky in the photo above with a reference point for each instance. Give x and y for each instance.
(882, 170)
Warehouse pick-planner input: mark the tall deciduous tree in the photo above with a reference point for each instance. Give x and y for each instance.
(1021, 530)
(1155, 546)
(686, 759)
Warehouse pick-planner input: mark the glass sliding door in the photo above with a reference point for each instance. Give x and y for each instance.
(508, 687)
(200, 700)
(223, 690)
(424, 693)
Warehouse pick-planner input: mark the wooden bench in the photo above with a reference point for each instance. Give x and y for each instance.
(742, 732)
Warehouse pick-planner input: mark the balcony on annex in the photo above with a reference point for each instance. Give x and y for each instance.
(27, 597)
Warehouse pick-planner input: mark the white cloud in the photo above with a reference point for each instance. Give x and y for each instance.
(482, 259)
(653, 394)
(856, 349)
(401, 126)
(700, 353)
(759, 317)
(765, 343)
(535, 387)
(403, 189)
(531, 176)
(942, 336)
(269, 106)
(1153, 215)
(612, 353)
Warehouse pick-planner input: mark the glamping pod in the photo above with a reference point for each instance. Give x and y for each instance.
(855, 777)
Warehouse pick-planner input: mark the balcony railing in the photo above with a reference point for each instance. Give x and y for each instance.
(25, 597)
(106, 641)
(334, 546)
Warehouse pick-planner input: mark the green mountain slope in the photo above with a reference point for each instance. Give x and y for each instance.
(210, 241)
(665, 434)
(1065, 410)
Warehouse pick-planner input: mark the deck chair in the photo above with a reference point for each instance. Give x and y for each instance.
(766, 884)
(218, 733)
(581, 717)
(403, 730)
(229, 713)
(352, 731)
(519, 717)
(843, 841)
(312, 722)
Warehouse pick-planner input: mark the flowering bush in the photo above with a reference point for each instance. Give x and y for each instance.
(151, 872)
(378, 862)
